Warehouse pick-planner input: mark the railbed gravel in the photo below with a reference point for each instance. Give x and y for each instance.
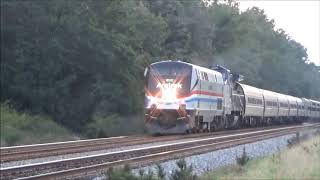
(212, 160)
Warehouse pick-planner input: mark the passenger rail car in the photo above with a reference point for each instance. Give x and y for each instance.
(181, 97)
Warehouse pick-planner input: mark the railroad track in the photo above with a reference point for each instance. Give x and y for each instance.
(90, 165)
(61, 148)
(18, 153)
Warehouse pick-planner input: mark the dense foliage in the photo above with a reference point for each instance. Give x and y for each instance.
(22, 128)
(80, 61)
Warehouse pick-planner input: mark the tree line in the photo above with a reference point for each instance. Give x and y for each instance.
(80, 61)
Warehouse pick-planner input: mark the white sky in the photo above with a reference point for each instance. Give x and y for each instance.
(300, 20)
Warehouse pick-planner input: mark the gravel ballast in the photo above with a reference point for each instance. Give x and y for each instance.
(224, 157)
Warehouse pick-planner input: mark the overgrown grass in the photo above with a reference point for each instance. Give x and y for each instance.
(301, 161)
(23, 128)
(243, 159)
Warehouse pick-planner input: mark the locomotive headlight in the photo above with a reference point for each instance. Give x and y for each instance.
(169, 94)
(169, 90)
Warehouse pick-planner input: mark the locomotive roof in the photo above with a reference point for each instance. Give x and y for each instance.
(171, 61)
(257, 91)
(193, 65)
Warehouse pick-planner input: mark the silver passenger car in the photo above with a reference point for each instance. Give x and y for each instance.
(254, 101)
(271, 104)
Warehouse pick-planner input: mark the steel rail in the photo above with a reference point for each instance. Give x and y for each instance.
(72, 163)
(141, 161)
(52, 149)
(18, 153)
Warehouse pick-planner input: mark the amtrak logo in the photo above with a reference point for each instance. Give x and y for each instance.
(169, 85)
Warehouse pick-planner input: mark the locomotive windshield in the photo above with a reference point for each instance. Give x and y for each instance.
(164, 75)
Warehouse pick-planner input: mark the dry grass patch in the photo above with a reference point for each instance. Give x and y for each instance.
(302, 161)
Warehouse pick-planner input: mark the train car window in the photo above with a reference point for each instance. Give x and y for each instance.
(269, 103)
(275, 104)
(254, 101)
(284, 105)
(251, 100)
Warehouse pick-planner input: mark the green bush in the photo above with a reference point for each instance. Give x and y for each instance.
(184, 172)
(160, 171)
(243, 159)
(22, 128)
(125, 173)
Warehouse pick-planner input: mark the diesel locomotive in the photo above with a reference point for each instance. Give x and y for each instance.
(182, 98)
